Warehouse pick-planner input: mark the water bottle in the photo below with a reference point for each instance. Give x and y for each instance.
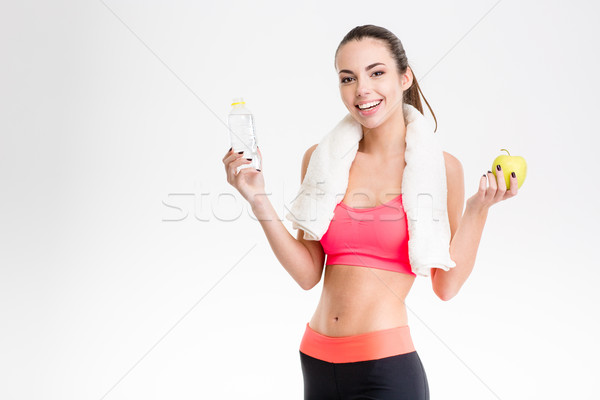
(242, 133)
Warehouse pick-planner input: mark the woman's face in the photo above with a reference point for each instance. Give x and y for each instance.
(368, 73)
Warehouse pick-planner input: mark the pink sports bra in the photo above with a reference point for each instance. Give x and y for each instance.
(375, 237)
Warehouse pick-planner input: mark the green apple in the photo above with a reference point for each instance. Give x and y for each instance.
(509, 164)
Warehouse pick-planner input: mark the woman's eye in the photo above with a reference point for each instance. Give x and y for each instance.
(344, 80)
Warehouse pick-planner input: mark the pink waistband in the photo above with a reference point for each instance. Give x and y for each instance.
(362, 347)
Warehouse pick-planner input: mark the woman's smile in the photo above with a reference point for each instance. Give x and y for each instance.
(370, 111)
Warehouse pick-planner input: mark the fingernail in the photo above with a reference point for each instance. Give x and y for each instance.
(240, 152)
(484, 175)
(498, 167)
(249, 159)
(489, 172)
(258, 169)
(230, 149)
(513, 174)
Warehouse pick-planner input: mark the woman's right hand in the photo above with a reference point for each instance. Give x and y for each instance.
(248, 181)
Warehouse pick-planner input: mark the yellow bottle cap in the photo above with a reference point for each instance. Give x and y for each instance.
(238, 100)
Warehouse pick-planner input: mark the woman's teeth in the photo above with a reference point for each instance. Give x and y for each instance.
(368, 106)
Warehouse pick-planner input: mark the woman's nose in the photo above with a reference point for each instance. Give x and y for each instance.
(362, 89)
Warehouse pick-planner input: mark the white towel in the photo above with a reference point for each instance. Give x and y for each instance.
(424, 190)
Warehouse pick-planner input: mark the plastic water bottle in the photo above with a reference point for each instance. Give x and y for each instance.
(242, 133)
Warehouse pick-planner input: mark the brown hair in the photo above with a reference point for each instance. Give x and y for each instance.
(394, 45)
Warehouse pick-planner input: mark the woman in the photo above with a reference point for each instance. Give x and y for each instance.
(358, 344)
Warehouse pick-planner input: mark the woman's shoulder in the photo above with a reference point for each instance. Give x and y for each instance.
(452, 163)
(306, 159)
(310, 150)
(308, 154)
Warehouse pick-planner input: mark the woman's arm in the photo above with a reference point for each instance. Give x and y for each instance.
(463, 250)
(303, 263)
(467, 228)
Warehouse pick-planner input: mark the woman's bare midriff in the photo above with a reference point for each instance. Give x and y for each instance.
(358, 300)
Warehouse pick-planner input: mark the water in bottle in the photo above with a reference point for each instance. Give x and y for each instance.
(242, 133)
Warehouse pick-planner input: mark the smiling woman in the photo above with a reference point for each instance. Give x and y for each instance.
(378, 71)
(358, 343)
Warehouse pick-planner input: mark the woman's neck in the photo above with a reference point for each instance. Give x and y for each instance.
(385, 140)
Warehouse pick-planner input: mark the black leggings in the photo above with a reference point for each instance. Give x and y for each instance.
(397, 377)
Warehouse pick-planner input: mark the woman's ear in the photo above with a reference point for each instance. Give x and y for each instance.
(407, 79)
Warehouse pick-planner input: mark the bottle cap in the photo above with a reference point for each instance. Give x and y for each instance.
(238, 100)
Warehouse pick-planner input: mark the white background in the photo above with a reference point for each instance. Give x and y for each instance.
(130, 268)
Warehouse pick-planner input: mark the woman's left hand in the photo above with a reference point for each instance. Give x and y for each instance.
(496, 192)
